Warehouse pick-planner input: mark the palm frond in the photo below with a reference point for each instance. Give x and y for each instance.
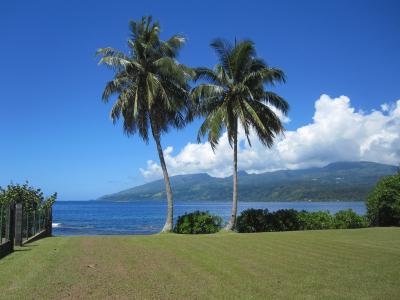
(169, 68)
(206, 74)
(212, 126)
(114, 86)
(173, 45)
(242, 56)
(109, 51)
(273, 75)
(272, 125)
(277, 101)
(223, 50)
(206, 91)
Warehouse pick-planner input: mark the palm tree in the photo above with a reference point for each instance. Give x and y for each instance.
(151, 88)
(234, 94)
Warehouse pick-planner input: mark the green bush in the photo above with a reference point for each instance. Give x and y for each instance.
(259, 220)
(349, 219)
(283, 220)
(252, 220)
(315, 220)
(198, 222)
(27, 195)
(383, 203)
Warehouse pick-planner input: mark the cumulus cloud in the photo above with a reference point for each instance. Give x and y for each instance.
(337, 133)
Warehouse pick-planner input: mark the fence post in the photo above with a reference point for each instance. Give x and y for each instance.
(10, 226)
(50, 222)
(18, 224)
(1, 222)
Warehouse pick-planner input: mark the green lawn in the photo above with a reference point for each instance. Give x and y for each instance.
(332, 264)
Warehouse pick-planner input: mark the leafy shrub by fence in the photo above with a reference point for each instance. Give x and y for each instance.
(259, 220)
(25, 214)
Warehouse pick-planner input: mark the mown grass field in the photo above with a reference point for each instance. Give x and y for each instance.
(332, 264)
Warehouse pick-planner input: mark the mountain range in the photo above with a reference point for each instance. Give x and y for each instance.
(340, 181)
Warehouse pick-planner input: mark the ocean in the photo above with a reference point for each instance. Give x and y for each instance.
(148, 217)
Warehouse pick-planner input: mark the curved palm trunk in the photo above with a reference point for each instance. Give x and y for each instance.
(232, 222)
(170, 210)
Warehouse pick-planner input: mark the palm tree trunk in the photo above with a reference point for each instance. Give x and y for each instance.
(170, 210)
(232, 222)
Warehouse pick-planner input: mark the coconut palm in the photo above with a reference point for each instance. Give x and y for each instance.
(234, 94)
(151, 89)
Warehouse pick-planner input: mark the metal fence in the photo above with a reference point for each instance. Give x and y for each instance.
(20, 225)
(34, 222)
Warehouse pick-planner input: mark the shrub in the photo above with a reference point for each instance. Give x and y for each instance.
(259, 220)
(27, 195)
(252, 220)
(283, 220)
(349, 219)
(198, 222)
(383, 203)
(315, 220)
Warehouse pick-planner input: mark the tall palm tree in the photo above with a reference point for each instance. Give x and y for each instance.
(151, 88)
(234, 94)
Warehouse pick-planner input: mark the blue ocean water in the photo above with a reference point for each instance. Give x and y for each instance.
(148, 217)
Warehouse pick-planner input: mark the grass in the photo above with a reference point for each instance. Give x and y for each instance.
(331, 264)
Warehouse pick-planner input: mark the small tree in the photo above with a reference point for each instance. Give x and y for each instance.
(345, 219)
(383, 203)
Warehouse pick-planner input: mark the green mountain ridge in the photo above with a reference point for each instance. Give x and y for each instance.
(340, 181)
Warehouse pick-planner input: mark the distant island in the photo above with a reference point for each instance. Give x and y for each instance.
(340, 181)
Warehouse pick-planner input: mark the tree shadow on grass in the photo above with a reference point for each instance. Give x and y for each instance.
(22, 249)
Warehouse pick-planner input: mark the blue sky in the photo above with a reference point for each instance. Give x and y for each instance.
(56, 132)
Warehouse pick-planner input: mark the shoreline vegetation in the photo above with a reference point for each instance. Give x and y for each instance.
(262, 220)
(328, 264)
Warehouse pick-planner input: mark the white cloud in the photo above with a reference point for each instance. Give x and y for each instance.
(284, 119)
(337, 133)
(385, 107)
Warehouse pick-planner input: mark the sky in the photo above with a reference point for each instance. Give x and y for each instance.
(341, 59)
